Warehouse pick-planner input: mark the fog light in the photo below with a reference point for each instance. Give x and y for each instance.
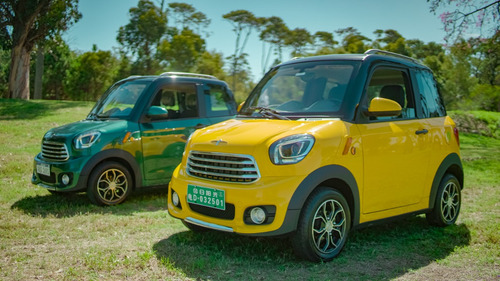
(65, 179)
(258, 215)
(175, 198)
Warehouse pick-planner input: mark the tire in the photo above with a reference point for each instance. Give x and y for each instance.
(194, 227)
(323, 226)
(448, 202)
(109, 184)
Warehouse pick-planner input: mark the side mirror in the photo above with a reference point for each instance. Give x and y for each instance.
(157, 113)
(383, 107)
(240, 106)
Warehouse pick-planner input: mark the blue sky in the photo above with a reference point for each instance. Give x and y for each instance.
(412, 18)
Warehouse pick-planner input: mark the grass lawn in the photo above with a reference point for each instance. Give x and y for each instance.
(47, 237)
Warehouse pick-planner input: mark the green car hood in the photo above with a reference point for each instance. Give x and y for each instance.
(73, 129)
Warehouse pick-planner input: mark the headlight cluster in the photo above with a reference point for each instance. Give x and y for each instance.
(86, 140)
(291, 149)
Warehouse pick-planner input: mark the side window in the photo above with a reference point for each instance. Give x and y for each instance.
(432, 104)
(392, 84)
(218, 101)
(179, 100)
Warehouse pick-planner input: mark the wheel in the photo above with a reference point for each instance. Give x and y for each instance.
(194, 227)
(323, 226)
(448, 202)
(109, 184)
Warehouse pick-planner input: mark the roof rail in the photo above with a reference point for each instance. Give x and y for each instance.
(133, 76)
(188, 74)
(377, 51)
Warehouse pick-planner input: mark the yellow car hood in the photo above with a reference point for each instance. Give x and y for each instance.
(243, 136)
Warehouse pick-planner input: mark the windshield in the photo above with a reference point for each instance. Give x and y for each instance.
(308, 89)
(119, 100)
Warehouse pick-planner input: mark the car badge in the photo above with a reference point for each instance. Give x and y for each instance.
(219, 141)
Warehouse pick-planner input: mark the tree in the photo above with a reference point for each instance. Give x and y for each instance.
(212, 63)
(352, 41)
(324, 43)
(23, 23)
(4, 72)
(243, 22)
(274, 31)
(431, 54)
(299, 39)
(390, 40)
(458, 83)
(471, 16)
(141, 36)
(57, 61)
(91, 74)
(183, 51)
(188, 17)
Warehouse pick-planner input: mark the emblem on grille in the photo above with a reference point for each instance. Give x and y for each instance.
(219, 141)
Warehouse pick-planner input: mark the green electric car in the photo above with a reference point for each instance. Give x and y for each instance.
(134, 136)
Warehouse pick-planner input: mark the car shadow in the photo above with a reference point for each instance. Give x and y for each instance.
(374, 253)
(75, 204)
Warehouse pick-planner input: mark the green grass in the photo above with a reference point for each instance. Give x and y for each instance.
(48, 237)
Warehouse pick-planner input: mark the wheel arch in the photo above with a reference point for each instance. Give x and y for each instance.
(333, 176)
(116, 155)
(451, 164)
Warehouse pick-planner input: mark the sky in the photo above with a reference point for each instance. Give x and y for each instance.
(101, 20)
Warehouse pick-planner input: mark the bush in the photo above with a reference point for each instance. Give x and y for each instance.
(486, 123)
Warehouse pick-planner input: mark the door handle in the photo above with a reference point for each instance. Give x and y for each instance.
(421, 132)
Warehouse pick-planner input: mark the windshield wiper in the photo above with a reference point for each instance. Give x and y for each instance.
(92, 116)
(268, 112)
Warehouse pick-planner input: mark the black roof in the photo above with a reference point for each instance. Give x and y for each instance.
(368, 56)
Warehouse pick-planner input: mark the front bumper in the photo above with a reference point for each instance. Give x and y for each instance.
(269, 191)
(71, 167)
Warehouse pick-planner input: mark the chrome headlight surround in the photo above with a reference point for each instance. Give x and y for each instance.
(291, 149)
(86, 140)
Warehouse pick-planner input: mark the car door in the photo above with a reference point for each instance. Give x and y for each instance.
(395, 154)
(164, 137)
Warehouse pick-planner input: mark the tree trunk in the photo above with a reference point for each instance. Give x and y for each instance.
(40, 55)
(19, 82)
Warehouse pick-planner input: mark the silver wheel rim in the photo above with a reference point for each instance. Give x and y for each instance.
(112, 186)
(328, 226)
(450, 202)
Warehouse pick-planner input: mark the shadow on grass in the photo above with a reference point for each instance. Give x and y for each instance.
(15, 109)
(375, 253)
(75, 204)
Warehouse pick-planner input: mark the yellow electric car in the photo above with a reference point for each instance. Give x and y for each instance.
(321, 146)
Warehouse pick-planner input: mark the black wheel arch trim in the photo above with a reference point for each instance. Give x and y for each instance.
(122, 156)
(321, 176)
(450, 164)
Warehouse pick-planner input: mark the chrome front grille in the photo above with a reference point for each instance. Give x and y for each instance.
(54, 151)
(222, 167)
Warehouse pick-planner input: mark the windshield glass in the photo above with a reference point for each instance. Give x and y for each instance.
(119, 100)
(301, 90)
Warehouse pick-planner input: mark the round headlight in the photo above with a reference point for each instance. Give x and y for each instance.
(65, 179)
(258, 215)
(175, 198)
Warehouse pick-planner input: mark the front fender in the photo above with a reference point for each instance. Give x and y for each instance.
(335, 176)
(118, 155)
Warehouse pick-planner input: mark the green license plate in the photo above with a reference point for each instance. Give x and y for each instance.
(208, 197)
